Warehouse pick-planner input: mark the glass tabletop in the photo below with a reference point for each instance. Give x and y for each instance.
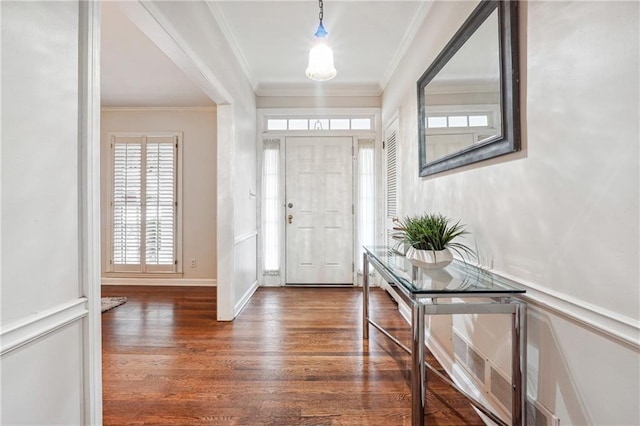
(456, 278)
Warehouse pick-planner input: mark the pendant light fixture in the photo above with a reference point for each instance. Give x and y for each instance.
(321, 56)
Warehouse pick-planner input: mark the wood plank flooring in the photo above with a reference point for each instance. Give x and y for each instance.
(294, 356)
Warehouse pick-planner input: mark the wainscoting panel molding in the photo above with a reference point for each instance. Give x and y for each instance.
(34, 327)
(610, 324)
(601, 320)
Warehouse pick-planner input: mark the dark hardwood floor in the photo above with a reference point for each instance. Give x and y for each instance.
(294, 356)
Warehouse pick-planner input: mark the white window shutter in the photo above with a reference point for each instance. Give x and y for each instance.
(160, 201)
(144, 203)
(391, 146)
(127, 202)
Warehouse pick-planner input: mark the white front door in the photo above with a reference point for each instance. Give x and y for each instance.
(319, 210)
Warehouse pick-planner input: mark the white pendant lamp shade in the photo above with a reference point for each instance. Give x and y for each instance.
(321, 66)
(321, 56)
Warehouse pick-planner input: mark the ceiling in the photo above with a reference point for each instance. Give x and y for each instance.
(271, 40)
(135, 72)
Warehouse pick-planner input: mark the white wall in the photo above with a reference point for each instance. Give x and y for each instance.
(560, 217)
(198, 127)
(192, 36)
(49, 312)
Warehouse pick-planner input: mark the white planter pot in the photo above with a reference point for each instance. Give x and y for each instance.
(429, 259)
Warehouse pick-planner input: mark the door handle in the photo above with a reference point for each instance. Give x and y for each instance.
(290, 217)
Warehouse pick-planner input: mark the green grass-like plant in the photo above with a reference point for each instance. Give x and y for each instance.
(432, 231)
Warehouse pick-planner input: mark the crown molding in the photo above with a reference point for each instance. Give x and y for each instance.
(407, 39)
(218, 15)
(144, 108)
(319, 89)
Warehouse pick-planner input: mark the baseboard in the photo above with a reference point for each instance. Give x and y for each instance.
(186, 282)
(245, 299)
(25, 330)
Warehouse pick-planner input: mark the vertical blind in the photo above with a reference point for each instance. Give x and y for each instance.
(366, 197)
(144, 203)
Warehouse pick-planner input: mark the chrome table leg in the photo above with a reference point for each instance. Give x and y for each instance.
(418, 374)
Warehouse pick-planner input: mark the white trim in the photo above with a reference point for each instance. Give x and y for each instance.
(34, 327)
(265, 113)
(310, 89)
(407, 39)
(218, 15)
(599, 319)
(185, 282)
(125, 109)
(295, 112)
(89, 214)
(240, 238)
(245, 299)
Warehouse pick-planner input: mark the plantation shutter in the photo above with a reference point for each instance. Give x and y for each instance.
(160, 202)
(144, 204)
(127, 201)
(391, 182)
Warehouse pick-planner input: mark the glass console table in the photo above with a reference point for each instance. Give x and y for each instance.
(481, 293)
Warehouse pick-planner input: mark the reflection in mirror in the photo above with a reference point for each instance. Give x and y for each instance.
(462, 102)
(468, 98)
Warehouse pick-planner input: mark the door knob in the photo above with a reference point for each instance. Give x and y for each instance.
(290, 217)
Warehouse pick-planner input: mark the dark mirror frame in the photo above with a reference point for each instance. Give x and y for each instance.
(509, 141)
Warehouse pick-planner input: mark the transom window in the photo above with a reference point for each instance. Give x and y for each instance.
(320, 123)
(457, 121)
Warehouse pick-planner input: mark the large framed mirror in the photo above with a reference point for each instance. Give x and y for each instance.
(468, 99)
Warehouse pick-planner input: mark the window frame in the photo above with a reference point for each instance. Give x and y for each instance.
(143, 269)
(329, 118)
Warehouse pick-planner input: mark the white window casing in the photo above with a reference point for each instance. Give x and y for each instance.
(145, 209)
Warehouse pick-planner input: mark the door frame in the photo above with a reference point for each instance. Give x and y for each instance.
(89, 191)
(278, 278)
(353, 203)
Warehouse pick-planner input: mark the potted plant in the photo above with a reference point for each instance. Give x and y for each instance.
(430, 239)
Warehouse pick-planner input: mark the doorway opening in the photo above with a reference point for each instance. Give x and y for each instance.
(317, 196)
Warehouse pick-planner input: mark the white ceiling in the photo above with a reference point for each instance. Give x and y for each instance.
(271, 40)
(135, 72)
